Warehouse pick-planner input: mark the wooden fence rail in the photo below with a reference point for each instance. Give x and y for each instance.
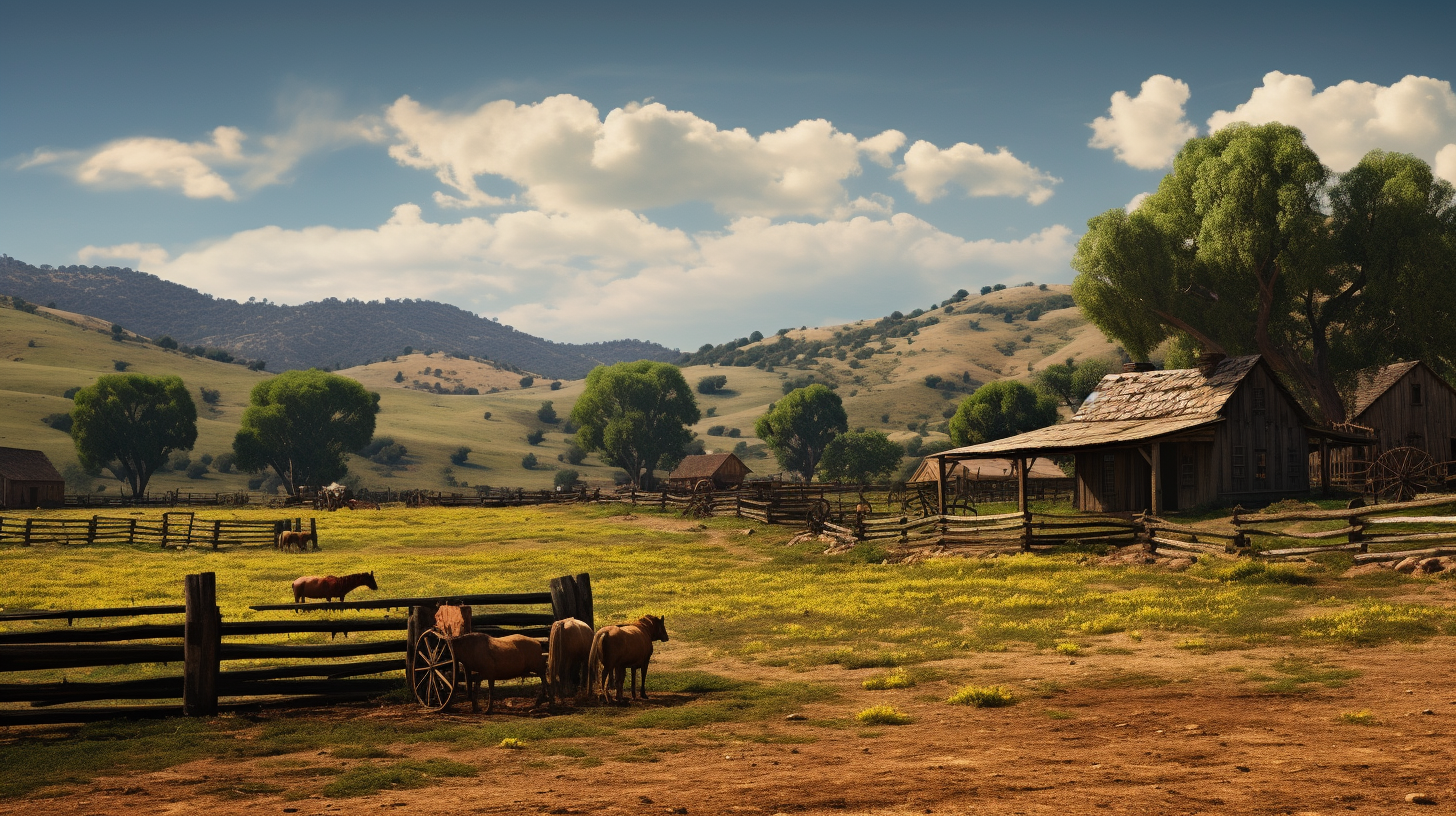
(202, 642)
(172, 529)
(1370, 532)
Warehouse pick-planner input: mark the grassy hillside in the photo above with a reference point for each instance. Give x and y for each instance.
(882, 379)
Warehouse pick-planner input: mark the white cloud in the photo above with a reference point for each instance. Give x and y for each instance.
(214, 168)
(927, 171)
(1137, 201)
(566, 158)
(1343, 122)
(1146, 131)
(612, 273)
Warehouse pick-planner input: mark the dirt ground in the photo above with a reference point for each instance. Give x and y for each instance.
(1140, 728)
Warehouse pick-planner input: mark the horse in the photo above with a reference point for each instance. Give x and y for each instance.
(329, 587)
(289, 540)
(567, 656)
(617, 650)
(499, 658)
(362, 504)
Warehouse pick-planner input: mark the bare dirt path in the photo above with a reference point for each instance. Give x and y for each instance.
(1136, 728)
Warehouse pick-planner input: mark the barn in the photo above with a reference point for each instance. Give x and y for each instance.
(1408, 405)
(29, 480)
(1227, 431)
(722, 470)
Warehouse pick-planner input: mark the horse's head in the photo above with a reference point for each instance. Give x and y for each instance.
(657, 626)
(369, 581)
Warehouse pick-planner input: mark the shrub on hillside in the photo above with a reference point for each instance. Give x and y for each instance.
(529, 461)
(61, 422)
(535, 436)
(459, 455)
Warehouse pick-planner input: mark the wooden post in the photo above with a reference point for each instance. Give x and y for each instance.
(313, 531)
(28, 522)
(216, 532)
(1023, 504)
(131, 531)
(1156, 494)
(940, 485)
(563, 599)
(91, 531)
(201, 642)
(1357, 533)
(165, 522)
(584, 611)
(1324, 454)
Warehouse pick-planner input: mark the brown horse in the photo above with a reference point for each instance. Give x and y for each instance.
(329, 587)
(289, 540)
(361, 504)
(617, 650)
(499, 658)
(567, 656)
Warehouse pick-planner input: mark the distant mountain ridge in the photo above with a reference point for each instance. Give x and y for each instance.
(330, 332)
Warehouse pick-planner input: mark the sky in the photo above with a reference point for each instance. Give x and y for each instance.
(667, 172)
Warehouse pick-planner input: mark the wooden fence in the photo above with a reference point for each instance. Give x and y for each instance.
(172, 529)
(1371, 533)
(308, 674)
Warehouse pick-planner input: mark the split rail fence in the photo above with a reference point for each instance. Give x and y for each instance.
(173, 529)
(202, 642)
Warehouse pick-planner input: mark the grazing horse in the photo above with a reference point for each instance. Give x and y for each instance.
(617, 650)
(329, 587)
(289, 540)
(567, 656)
(498, 658)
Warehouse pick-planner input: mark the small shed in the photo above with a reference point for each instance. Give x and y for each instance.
(989, 470)
(29, 480)
(1408, 405)
(722, 470)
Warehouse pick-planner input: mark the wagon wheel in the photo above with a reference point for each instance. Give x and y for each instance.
(1401, 473)
(817, 515)
(436, 672)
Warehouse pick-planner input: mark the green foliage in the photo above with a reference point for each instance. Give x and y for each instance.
(535, 436)
(717, 430)
(983, 696)
(713, 383)
(365, 780)
(211, 396)
(132, 423)
(223, 462)
(1000, 409)
(800, 426)
(546, 413)
(302, 424)
(459, 455)
(893, 680)
(120, 365)
(1071, 381)
(566, 478)
(399, 376)
(860, 457)
(1250, 245)
(196, 470)
(883, 715)
(165, 342)
(529, 461)
(383, 451)
(528, 381)
(636, 415)
(61, 422)
(574, 454)
(556, 385)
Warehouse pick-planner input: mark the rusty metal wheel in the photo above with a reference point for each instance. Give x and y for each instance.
(437, 675)
(1402, 473)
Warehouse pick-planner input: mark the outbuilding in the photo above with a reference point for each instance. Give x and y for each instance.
(29, 480)
(722, 470)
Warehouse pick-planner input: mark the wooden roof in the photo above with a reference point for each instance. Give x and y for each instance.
(22, 465)
(1374, 386)
(704, 466)
(988, 470)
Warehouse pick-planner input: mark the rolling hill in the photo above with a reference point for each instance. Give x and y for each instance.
(330, 333)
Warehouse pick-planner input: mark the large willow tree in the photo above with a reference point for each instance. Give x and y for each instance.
(1251, 245)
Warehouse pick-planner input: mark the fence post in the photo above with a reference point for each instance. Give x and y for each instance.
(584, 610)
(201, 643)
(216, 532)
(1357, 534)
(91, 531)
(563, 602)
(165, 522)
(27, 531)
(1025, 528)
(131, 531)
(313, 531)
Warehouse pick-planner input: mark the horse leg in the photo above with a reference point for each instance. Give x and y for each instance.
(489, 694)
(621, 678)
(644, 680)
(472, 684)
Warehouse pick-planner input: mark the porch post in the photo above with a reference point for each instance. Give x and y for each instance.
(940, 485)
(1324, 454)
(1156, 497)
(1021, 502)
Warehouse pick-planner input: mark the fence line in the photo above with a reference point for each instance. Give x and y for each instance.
(172, 529)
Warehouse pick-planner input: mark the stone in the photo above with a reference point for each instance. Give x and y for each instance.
(1363, 569)
(1430, 565)
(1180, 564)
(796, 718)
(1407, 565)
(1420, 799)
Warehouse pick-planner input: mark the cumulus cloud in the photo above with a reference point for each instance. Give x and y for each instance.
(564, 157)
(1145, 131)
(212, 168)
(1343, 122)
(1137, 201)
(928, 170)
(608, 273)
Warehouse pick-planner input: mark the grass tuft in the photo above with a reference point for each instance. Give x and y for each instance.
(893, 680)
(983, 696)
(511, 743)
(1068, 648)
(410, 773)
(883, 715)
(1364, 717)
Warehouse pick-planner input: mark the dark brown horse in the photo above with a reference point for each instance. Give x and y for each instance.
(498, 658)
(567, 657)
(289, 540)
(617, 650)
(329, 587)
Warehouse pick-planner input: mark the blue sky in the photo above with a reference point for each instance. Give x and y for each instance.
(665, 172)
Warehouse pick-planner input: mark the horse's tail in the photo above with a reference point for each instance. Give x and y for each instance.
(556, 653)
(594, 662)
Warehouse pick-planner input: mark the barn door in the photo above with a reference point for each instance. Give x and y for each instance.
(1168, 476)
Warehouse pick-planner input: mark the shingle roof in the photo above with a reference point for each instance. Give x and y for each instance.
(23, 465)
(703, 466)
(1071, 436)
(1165, 394)
(989, 470)
(1376, 385)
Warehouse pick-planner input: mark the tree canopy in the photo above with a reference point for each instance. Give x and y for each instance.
(1000, 409)
(636, 415)
(800, 427)
(1252, 245)
(131, 423)
(860, 456)
(1071, 381)
(303, 424)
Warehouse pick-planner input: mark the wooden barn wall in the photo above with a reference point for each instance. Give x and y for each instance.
(1259, 417)
(1131, 479)
(1400, 422)
(17, 493)
(1196, 474)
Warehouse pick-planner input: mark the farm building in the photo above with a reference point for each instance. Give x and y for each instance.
(978, 480)
(1226, 431)
(29, 480)
(722, 470)
(1402, 405)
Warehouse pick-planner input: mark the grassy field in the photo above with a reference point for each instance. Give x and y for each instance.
(41, 357)
(747, 599)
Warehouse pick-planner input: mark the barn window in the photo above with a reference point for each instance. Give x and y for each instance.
(1259, 399)
(1240, 462)
(1415, 393)
(1261, 468)
(1109, 480)
(1185, 471)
